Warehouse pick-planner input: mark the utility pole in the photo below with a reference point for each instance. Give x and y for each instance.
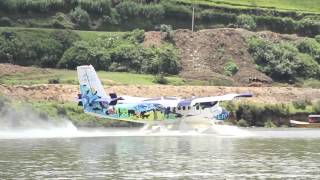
(192, 26)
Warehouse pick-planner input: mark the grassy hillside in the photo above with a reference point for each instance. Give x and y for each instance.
(17, 75)
(284, 16)
(310, 6)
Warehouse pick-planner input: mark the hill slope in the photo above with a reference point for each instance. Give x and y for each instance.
(312, 6)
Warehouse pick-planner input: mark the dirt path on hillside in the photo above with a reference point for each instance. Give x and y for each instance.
(66, 93)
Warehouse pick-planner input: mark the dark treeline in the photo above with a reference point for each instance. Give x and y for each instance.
(66, 49)
(143, 14)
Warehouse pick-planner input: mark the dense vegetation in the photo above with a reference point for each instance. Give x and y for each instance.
(281, 5)
(66, 49)
(254, 114)
(244, 114)
(285, 61)
(150, 14)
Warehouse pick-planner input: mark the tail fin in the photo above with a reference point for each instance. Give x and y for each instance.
(89, 81)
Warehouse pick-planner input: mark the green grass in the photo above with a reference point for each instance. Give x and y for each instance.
(91, 35)
(39, 76)
(84, 35)
(312, 6)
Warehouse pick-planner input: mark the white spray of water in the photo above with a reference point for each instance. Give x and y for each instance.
(24, 123)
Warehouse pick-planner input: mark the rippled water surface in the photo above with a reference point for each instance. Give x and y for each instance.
(275, 154)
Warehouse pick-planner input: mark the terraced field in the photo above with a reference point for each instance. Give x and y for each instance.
(312, 6)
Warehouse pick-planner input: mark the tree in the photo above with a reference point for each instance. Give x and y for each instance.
(246, 22)
(80, 16)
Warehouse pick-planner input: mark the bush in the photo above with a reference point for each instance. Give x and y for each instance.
(316, 107)
(122, 53)
(5, 21)
(167, 31)
(309, 27)
(246, 22)
(230, 68)
(277, 24)
(164, 60)
(311, 47)
(218, 17)
(81, 53)
(300, 104)
(160, 79)
(29, 47)
(65, 37)
(62, 21)
(283, 61)
(317, 38)
(242, 123)
(269, 124)
(80, 17)
(130, 9)
(136, 36)
(54, 81)
(96, 6)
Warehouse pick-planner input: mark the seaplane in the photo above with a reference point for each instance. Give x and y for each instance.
(172, 113)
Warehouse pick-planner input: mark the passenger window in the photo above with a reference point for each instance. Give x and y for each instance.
(197, 107)
(179, 108)
(174, 109)
(183, 108)
(189, 107)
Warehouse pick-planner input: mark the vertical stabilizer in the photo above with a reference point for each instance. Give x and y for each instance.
(88, 80)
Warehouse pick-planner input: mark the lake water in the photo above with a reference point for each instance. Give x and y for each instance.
(68, 153)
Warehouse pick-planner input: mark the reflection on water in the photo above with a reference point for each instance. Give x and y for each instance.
(294, 155)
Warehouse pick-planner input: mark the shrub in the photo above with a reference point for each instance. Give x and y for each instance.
(136, 36)
(300, 104)
(80, 17)
(218, 17)
(160, 79)
(269, 124)
(309, 27)
(65, 37)
(61, 111)
(62, 21)
(283, 61)
(316, 107)
(317, 38)
(242, 123)
(5, 21)
(131, 9)
(311, 47)
(79, 54)
(29, 47)
(113, 18)
(277, 24)
(246, 22)
(96, 6)
(164, 60)
(230, 68)
(54, 81)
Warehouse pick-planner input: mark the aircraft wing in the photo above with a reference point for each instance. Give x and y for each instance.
(227, 97)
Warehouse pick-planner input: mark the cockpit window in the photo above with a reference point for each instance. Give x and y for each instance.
(174, 109)
(208, 104)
